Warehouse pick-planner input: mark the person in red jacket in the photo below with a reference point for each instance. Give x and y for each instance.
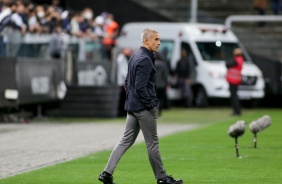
(111, 33)
(234, 78)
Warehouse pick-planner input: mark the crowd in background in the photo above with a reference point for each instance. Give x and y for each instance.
(24, 16)
(263, 5)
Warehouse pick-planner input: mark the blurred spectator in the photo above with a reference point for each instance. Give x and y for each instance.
(260, 6)
(275, 5)
(183, 77)
(17, 18)
(56, 43)
(104, 15)
(25, 14)
(32, 20)
(88, 14)
(4, 3)
(56, 5)
(122, 66)
(53, 19)
(98, 27)
(161, 80)
(75, 21)
(5, 17)
(17, 28)
(87, 25)
(13, 7)
(66, 19)
(41, 19)
(111, 33)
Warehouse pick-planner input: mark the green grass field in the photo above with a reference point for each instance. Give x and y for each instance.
(206, 155)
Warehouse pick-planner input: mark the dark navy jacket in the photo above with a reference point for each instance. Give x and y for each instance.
(140, 82)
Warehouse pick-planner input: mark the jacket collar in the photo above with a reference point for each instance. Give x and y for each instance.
(151, 54)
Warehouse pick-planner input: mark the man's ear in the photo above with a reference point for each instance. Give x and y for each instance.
(148, 41)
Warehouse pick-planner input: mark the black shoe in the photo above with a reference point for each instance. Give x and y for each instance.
(106, 178)
(169, 180)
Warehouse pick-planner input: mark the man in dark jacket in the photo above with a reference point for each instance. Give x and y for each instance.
(183, 75)
(141, 104)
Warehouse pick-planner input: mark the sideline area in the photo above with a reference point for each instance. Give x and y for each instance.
(26, 147)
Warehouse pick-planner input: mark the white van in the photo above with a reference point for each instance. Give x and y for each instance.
(210, 45)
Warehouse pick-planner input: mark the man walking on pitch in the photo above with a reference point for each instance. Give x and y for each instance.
(142, 110)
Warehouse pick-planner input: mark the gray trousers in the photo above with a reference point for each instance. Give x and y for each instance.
(147, 122)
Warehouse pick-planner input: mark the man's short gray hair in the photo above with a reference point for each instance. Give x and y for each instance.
(147, 34)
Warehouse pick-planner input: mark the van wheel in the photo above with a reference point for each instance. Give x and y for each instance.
(201, 98)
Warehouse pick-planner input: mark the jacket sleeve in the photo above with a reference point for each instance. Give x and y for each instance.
(143, 70)
(230, 63)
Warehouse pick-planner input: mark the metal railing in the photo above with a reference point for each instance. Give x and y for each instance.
(251, 18)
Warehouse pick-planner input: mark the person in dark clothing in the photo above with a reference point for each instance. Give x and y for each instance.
(141, 104)
(276, 6)
(234, 78)
(261, 6)
(162, 80)
(183, 74)
(56, 43)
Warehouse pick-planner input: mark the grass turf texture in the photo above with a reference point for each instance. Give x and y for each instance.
(205, 155)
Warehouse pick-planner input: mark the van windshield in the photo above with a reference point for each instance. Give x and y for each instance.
(216, 51)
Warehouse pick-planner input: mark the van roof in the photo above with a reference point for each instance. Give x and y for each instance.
(177, 30)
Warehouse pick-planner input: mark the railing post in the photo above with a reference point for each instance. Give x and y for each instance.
(194, 10)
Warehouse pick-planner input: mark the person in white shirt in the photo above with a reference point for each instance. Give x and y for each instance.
(6, 11)
(4, 19)
(122, 67)
(16, 30)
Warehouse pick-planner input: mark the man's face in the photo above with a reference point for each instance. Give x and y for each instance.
(153, 42)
